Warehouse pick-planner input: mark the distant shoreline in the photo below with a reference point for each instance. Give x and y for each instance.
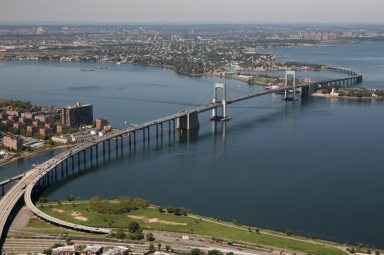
(347, 97)
(28, 154)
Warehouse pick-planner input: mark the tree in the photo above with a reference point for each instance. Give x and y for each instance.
(152, 248)
(70, 197)
(150, 237)
(138, 235)
(120, 234)
(68, 241)
(159, 246)
(133, 227)
(196, 251)
(167, 248)
(214, 252)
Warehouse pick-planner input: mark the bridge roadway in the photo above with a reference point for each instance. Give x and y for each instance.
(30, 179)
(5, 182)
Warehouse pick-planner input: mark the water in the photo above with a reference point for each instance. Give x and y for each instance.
(312, 167)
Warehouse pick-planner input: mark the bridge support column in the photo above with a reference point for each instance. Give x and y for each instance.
(73, 164)
(224, 116)
(91, 154)
(117, 144)
(2, 190)
(66, 166)
(51, 176)
(188, 121)
(143, 136)
(121, 144)
(97, 153)
(161, 129)
(109, 148)
(286, 93)
(78, 161)
(307, 91)
(85, 159)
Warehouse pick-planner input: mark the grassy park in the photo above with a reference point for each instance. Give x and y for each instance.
(151, 218)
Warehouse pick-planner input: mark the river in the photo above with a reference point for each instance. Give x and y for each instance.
(311, 167)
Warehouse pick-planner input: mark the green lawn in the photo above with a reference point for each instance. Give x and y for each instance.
(151, 218)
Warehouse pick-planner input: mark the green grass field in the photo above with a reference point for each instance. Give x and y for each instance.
(150, 218)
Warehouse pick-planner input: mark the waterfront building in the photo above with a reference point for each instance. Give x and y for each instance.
(101, 123)
(61, 139)
(12, 142)
(31, 130)
(77, 115)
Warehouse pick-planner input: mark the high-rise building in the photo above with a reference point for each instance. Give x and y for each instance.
(77, 115)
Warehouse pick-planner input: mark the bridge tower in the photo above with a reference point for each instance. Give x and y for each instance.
(286, 94)
(224, 116)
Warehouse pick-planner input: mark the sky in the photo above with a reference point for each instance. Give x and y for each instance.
(191, 11)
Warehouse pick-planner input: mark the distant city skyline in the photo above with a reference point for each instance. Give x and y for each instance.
(197, 11)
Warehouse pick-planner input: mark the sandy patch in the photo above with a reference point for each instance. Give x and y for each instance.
(156, 220)
(57, 210)
(78, 216)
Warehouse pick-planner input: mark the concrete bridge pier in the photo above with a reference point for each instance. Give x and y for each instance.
(143, 136)
(91, 154)
(66, 166)
(224, 116)
(174, 130)
(148, 135)
(188, 121)
(117, 145)
(291, 74)
(3, 190)
(78, 161)
(306, 92)
(62, 172)
(50, 174)
(73, 164)
(55, 171)
(161, 129)
(109, 148)
(85, 159)
(121, 144)
(97, 153)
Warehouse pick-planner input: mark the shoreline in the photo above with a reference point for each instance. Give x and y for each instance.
(329, 96)
(28, 154)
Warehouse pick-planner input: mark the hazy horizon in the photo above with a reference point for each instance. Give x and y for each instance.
(191, 12)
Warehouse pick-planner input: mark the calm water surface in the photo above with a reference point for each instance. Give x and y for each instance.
(313, 167)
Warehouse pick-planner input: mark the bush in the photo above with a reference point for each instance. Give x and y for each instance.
(119, 234)
(196, 251)
(150, 237)
(133, 227)
(136, 235)
(124, 205)
(214, 252)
